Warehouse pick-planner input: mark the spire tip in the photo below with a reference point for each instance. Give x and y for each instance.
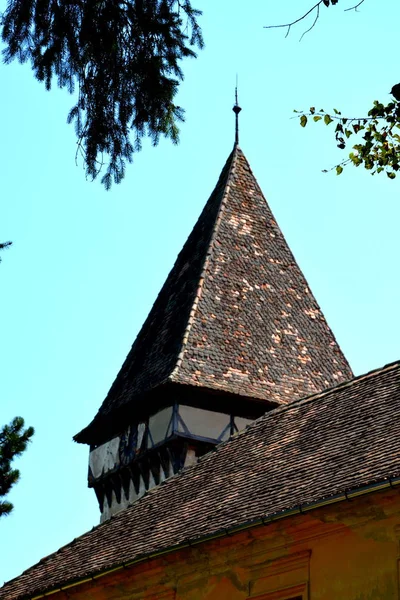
(236, 109)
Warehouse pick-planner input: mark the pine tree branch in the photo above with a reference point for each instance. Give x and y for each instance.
(4, 245)
(5, 508)
(13, 442)
(123, 56)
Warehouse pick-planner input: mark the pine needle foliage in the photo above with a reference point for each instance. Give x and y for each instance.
(13, 442)
(121, 60)
(4, 245)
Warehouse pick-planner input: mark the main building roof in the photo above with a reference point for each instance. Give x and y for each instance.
(235, 314)
(312, 449)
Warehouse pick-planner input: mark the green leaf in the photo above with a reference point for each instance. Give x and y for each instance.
(303, 120)
(327, 119)
(339, 170)
(391, 175)
(312, 109)
(317, 118)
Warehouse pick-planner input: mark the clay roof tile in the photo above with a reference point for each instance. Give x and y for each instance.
(235, 314)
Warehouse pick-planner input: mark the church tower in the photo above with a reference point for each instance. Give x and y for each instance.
(234, 332)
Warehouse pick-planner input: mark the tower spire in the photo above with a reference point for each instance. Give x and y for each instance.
(234, 332)
(236, 109)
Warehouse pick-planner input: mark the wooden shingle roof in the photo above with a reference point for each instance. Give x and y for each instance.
(235, 314)
(317, 448)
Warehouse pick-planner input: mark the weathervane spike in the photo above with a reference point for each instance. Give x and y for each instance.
(236, 109)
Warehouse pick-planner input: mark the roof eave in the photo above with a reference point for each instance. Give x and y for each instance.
(346, 495)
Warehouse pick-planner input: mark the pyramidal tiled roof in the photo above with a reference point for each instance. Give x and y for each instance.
(235, 314)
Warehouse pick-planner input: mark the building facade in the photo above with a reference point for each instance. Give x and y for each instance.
(349, 550)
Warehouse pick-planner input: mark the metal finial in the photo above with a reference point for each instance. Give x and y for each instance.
(236, 109)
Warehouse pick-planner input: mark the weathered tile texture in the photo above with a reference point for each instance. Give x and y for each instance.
(311, 449)
(257, 329)
(235, 313)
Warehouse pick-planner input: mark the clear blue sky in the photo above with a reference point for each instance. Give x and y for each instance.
(86, 265)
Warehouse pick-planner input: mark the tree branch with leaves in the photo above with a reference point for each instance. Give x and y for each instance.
(379, 147)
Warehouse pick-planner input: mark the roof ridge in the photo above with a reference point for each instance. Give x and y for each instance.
(284, 408)
(207, 259)
(327, 391)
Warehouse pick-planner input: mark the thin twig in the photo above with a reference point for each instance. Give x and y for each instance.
(315, 7)
(354, 7)
(344, 162)
(289, 25)
(338, 117)
(313, 25)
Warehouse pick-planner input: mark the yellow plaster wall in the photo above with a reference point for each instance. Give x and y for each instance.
(344, 551)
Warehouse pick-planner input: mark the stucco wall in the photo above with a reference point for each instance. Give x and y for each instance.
(344, 551)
